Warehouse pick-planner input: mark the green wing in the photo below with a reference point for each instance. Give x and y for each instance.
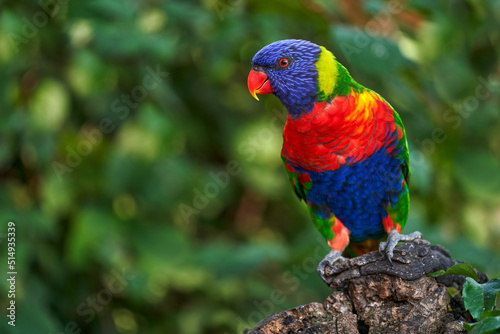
(403, 144)
(399, 212)
(321, 216)
(299, 188)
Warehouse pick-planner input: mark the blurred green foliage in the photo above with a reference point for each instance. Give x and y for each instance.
(154, 203)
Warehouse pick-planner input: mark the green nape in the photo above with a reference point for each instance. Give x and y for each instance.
(345, 83)
(333, 77)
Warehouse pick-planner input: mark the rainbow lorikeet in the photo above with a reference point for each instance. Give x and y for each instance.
(344, 147)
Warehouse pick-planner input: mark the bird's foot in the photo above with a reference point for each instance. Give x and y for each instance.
(329, 259)
(393, 239)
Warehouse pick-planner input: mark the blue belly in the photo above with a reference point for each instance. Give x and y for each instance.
(358, 193)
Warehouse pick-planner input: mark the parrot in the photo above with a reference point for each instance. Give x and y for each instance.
(344, 149)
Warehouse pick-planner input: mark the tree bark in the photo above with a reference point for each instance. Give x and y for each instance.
(372, 296)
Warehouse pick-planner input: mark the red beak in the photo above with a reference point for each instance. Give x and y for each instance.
(258, 83)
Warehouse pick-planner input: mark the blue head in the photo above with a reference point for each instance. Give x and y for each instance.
(287, 68)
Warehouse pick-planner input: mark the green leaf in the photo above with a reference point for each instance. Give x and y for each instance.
(473, 294)
(452, 292)
(463, 269)
(469, 326)
(485, 326)
(491, 289)
(479, 299)
(491, 314)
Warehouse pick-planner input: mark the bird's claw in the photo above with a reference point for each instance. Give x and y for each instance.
(392, 241)
(329, 259)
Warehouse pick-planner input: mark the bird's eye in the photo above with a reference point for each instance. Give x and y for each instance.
(284, 62)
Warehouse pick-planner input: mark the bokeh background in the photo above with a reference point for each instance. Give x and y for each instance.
(146, 183)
